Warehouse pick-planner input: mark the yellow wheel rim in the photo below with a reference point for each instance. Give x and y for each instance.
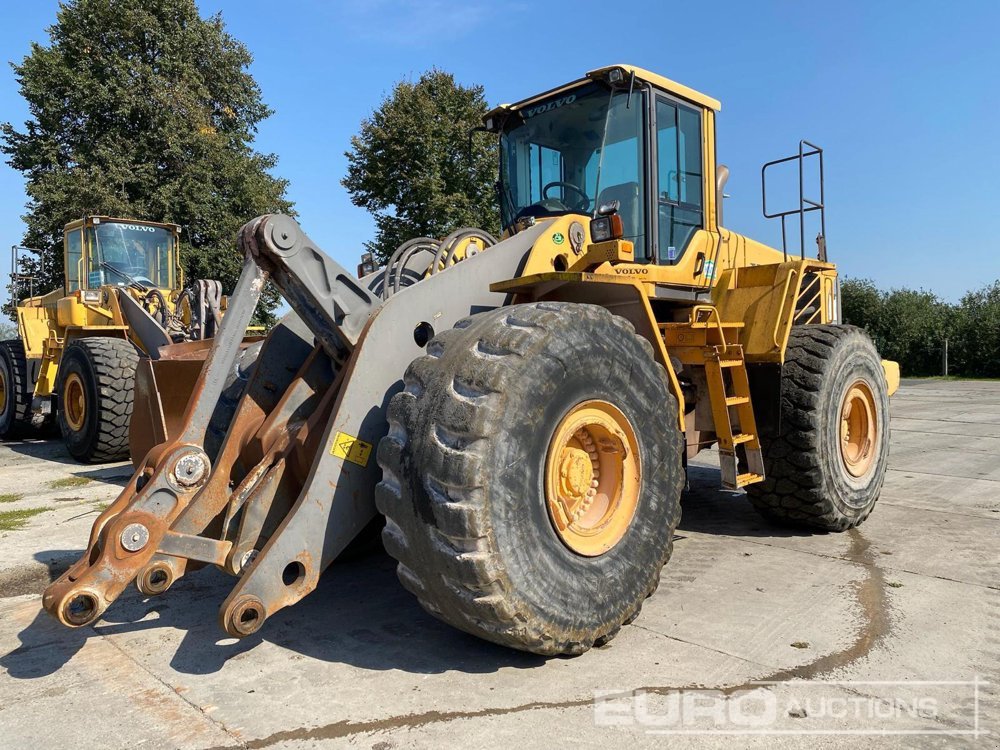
(74, 402)
(3, 392)
(592, 477)
(858, 429)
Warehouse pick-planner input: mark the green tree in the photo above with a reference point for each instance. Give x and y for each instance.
(914, 327)
(976, 346)
(907, 326)
(413, 167)
(143, 109)
(861, 304)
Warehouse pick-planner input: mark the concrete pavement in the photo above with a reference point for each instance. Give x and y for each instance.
(912, 596)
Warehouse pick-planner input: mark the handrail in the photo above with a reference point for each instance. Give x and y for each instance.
(711, 310)
(805, 204)
(792, 272)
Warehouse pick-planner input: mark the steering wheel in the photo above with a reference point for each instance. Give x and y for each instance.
(581, 205)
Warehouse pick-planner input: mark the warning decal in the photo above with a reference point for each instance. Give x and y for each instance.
(351, 449)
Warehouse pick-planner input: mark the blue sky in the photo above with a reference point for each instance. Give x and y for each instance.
(903, 96)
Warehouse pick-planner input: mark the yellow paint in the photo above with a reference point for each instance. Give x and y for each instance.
(591, 493)
(891, 375)
(351, 448)
(74, 402)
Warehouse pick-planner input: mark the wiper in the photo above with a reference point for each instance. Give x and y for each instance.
(130, 279)
(504, 195)
(600, 160)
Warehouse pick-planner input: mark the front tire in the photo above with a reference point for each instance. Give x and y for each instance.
(826, 465)
(470, 516)
(96, 384)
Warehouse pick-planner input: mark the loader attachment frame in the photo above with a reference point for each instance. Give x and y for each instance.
(293, 482)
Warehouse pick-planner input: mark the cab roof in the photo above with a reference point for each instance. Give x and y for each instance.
(672, 87)
(89, 219)
(659, 81)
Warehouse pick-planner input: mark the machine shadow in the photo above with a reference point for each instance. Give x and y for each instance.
(359, 615)
(54, 451)
(707, 508)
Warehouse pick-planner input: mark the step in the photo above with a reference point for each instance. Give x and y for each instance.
(725, 324)
(742, 480)
(742, 437)
(699, 324)
(730, 363)
(737, 400)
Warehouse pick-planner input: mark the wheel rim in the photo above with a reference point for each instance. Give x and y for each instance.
(858, 429)
(74, 402)
(592, 477)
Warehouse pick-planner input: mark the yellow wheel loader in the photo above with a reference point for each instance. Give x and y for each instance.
(518, 416)
(75, 359)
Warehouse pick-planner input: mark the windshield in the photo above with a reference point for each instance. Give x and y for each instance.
(123, 254)
(551, 160)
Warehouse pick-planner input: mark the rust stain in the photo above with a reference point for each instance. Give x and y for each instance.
(347, 728)
(876, 623)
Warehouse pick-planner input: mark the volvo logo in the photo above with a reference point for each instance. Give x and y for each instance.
(549, 106)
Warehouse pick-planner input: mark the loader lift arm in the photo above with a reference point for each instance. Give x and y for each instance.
(293, 482)
(139, 523)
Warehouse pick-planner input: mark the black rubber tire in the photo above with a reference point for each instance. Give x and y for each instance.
(106, 367)
(807, 483)
(463, 472)
(16, 419)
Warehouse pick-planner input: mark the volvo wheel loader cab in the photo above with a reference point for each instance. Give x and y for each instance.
(520, 414)
(123, 298)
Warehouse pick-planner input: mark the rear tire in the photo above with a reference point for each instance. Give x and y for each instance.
(16, 391)
(96, 385)
(814, 477)
(464, 487)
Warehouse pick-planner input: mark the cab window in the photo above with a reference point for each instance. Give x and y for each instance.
(127, 254)
(574, 152)
(545, 166)
(74, 253)
(679, 177)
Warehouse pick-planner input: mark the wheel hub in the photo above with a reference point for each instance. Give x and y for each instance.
(3, 391)
(74, 402)
(858, 429)
(576, 472)
(592, 477)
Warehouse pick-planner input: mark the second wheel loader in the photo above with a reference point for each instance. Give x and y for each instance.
(75, 359)
(520, 418)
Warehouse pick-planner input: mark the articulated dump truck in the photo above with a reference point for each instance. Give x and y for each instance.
(519, 412)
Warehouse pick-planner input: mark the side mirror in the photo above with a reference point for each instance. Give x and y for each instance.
(721, 178)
